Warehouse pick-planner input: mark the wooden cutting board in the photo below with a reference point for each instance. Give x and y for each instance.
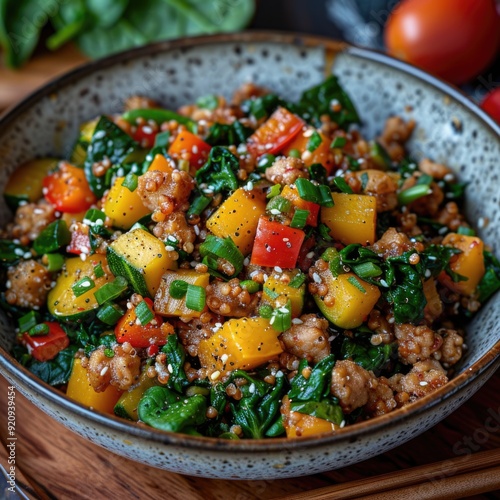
(16, 84)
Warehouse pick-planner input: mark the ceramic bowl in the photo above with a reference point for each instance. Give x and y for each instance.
(450, 129)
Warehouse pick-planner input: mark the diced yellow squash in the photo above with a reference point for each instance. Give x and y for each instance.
(168, 306)
(79, 389)
(25, 183)
(87, 130)
(277, 293)
(469, 263)
(126, 406)
(242, 343)
(61, 300)
(301, 425)
(141, 258)
(353, 218)
(238, 218)
(124, 207)
(349, 299)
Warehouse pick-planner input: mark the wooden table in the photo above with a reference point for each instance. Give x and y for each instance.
(60, 464)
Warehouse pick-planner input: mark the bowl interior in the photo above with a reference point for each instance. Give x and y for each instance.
(449, 127)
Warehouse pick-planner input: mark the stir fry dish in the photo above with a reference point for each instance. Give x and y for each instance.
(245, 269)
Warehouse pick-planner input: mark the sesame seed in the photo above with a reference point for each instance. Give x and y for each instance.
(310, 255)
(278, 269)
(428, 273)
(316, 277)
(342, 424)
(275, 211)
(215, 375)
(170, 368)
(297, 321)
(104, 371)
(224, 358)
(169, 248)
(449, 177)
(423, 383)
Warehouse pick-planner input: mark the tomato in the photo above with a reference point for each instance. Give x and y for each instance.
(190, 147)
(68, 189)
(46, 347)
(129, 330)
(453, 39)
(145, 136)
(276, 244)
(491, 104)
(275, 133)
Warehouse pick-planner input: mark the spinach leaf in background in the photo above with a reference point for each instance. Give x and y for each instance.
(317, 386)
(106, 12)
(368, 356)
(175, 360)
(111, 142)
(221, 134)
(490, 282)
(20, 25)
(57, 370)
(320, 100)
(219, 171)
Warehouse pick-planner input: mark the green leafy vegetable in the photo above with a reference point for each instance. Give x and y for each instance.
(11, 253)
(56, 371)
(162, 408)
(490, 282)
(315, 387)
(175, 360)
(221, 134)
(109, 142)
(328, 98)
(219, 172)
(368, 356)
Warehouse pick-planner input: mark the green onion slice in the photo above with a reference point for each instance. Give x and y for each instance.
(144, 313)
(28, 321)
(196, 297)
(178, 289)
(82, 286)
(111, 291)
(299, 218)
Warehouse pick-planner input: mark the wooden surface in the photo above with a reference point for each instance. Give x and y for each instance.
(60, 464)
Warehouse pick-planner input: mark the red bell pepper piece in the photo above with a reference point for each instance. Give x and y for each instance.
(68, 189)
(46, 347)
(129, 330)
(276, 244)
(80, 241)
(275, 133)
(188, 146)
(145, 136)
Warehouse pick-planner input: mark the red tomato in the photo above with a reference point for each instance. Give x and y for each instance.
(453, 39)
(491, 104)
(190, 147)
(276, 244)
(145, 136)
(68, 189)
(80, 241)
(128, 330)
(46, 347)
(275, 133)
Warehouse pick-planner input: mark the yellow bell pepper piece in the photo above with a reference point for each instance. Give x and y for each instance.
(238, 218)
(301, 425)
(79, 389)
(349, 299)
(168, 306)
(277, 293)
(353, 218)
(470, 263)
(123, 206)
(244, 343)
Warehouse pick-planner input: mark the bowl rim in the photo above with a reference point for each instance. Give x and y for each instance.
(347, 434)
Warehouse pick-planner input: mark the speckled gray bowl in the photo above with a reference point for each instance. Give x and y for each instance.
(450, 129)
